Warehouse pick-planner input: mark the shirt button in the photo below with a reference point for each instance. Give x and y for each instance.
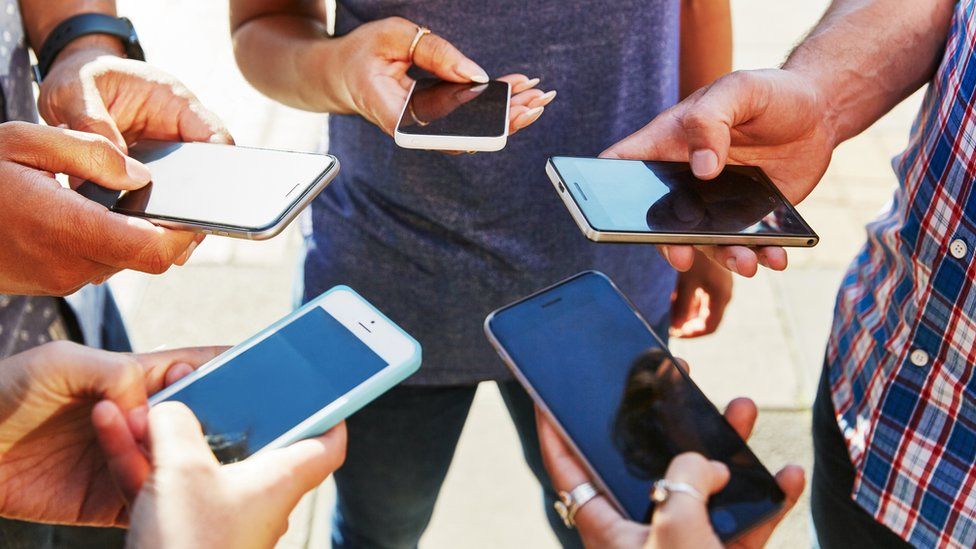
(919, 357)
(958, 248)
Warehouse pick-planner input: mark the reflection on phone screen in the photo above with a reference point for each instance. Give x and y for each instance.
(461, 110)
(666, 197)
(268, 389)
(623, 401)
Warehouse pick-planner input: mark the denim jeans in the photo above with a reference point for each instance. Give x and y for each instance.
(400, 448)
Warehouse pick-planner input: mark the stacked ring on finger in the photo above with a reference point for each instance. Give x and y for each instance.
(570, 503)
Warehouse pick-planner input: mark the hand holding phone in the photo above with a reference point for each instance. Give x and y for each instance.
(601, 525)
(298, 377)
(450, 116)
(611, 388)
(664, 203)
(220, 189)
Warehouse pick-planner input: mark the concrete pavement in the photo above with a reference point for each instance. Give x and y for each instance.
(769, 347)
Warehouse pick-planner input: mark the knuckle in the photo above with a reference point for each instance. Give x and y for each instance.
(102, 155)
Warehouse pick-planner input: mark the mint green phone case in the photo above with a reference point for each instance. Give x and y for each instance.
(322, 421)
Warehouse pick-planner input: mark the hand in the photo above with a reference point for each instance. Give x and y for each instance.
(51, 467)
(700, 298)
(773, 119)
(190, 500)
(375, 85)
(673, 525)
(54, 240)
(123, 100)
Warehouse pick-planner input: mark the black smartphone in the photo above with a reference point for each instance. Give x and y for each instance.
(612, 388)
(635, 201)
(220, 189)
(441, 115)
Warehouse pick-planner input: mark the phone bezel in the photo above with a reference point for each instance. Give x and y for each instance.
(400, 352)
(808, 240)
(537, 399)
(452, 142)
(264, 232)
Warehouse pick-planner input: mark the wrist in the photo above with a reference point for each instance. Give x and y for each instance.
(832, 121)
(326, 60)
(92, 45)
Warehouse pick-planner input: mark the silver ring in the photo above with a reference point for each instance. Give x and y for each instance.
(663, 488)
(571, 502)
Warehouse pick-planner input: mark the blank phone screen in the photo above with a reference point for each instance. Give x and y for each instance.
(220, 184)
(278, 383)
(459, 110)
(665, 197)
(629, 409)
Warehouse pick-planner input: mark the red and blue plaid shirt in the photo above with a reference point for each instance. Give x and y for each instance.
(903, 347)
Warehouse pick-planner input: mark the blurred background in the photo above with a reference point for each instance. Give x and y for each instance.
(769, 347)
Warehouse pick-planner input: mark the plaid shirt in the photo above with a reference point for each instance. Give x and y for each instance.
(903, 346)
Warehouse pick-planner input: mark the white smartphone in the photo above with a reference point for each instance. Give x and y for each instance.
(447, 116)
(220, 189)
(297, 378)
(664, 203)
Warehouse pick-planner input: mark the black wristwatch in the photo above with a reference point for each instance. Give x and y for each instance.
(84, 24)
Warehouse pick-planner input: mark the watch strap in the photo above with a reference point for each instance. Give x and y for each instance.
(85, 24)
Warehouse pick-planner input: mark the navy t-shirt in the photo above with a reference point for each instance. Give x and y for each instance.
(439, 241)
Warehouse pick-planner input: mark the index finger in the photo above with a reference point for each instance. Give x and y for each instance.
(157, 365)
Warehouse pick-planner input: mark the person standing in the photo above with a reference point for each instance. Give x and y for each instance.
(441, 240)
(894, 422)
(55, 242)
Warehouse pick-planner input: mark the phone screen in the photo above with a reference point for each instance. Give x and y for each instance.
(616, 391)
(218, 184)
(665, 197)
(459, 110)
(262, 393)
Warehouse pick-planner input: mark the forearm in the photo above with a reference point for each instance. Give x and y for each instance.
(866, 56)
(287, 55)
(706, 43)
(42, 16)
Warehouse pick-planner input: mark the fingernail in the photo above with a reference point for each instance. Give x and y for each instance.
(730, 263)
(472, 72)
(533, 113)
(666, 253)
(545, 98)
(761, 257)
(189, 251)
(137, 171)
(527, 85)
(704, 162)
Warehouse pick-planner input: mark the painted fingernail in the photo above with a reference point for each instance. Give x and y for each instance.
(731, 264)
(137, 171)
(545, 98)
(704, 162)
(527, 85)
(531, 115)
(666, 253)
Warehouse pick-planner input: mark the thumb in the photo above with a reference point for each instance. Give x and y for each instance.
(82, 155)
(176, 437)
(441, 58)
(706, 476)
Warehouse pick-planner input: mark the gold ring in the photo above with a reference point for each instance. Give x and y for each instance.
(413, 115)
(421, 32)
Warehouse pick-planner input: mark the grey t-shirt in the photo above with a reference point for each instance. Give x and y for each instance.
(439, 241)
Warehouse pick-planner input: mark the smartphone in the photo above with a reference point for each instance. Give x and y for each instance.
(448, 116)
(608, 383)
(220, 189)
(664, 203)
(297, 378)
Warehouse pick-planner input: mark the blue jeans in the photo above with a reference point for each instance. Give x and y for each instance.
(400, 448)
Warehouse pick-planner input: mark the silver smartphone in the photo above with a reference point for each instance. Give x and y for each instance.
(220, 189)
(664, 203)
